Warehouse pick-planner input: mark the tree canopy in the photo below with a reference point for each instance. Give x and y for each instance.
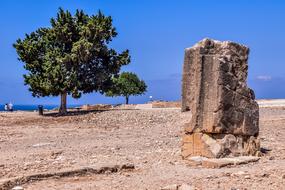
(127, 84)
(71, 56)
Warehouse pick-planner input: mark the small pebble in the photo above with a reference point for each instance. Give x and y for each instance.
(247, 177)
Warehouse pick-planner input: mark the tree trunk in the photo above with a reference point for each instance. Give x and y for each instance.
(127, 99)
(62, 109)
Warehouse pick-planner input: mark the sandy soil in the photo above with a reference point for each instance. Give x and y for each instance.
(150, 139)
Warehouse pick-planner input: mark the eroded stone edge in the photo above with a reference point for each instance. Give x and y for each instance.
(7, 184)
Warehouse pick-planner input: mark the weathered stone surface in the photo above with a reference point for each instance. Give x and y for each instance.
(218, 145)
(7, 184)
(221, 162)
(225, 116)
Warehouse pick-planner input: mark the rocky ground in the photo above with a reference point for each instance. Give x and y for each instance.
(149, 139)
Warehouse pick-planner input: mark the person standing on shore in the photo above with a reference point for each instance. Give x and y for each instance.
(10, 106)
(6, 107)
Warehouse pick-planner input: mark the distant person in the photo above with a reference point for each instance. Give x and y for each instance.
(6, 107)
(10, 106)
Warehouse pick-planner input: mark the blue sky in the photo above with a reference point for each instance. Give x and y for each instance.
(156, 32)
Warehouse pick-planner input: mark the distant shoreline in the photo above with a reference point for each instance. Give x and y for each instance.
(261, 103)
(33, 107)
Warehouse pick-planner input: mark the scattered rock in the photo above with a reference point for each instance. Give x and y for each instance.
(171, 187)
(264, 175)
(247, 177)
(17, 188)
(265, 150)
(56, 153)
(227, 174)
(186, 187)
(41, 145)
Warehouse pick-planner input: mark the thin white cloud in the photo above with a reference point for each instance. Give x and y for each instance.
(264, 77)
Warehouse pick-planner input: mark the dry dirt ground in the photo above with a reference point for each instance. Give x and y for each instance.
(149, 139)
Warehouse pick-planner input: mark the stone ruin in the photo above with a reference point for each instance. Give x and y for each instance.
(225, 116)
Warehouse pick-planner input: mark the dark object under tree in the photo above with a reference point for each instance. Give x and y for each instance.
(127, 84)
(71, 57)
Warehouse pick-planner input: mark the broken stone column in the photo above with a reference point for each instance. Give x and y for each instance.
(225, 116)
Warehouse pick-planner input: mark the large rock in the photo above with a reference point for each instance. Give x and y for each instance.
(225, 116)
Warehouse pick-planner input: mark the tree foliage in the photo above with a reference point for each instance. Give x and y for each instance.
(127, 84)
(71, 57)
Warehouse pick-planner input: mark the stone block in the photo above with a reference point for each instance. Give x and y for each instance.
(223, 108)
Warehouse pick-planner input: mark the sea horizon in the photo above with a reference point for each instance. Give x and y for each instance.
(33, 107)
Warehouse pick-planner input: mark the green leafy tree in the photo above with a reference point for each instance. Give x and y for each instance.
(71, 56)
(127, 84)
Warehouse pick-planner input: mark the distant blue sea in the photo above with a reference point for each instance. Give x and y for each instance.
(30, 107)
